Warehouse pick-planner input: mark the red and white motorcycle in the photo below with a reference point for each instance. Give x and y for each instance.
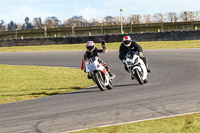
(99, 73)
(136, 67)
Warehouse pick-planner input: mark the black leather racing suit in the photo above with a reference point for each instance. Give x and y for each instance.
(123, 50)
(95, 53)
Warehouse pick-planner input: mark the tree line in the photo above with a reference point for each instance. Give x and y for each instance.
(80, 21)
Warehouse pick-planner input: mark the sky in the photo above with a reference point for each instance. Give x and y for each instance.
(17, 10)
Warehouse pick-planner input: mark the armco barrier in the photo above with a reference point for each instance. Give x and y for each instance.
(161, 36)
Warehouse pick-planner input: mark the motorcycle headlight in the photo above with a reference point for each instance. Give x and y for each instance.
(130, 63)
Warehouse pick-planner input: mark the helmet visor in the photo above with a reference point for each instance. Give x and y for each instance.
(127, 42)
(90, 47)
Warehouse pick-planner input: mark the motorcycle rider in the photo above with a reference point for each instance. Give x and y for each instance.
(128, 45)
(93, 51)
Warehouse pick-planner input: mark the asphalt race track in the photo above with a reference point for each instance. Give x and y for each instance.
(173, 88)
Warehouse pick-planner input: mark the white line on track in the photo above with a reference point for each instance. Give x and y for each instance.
(137, 121)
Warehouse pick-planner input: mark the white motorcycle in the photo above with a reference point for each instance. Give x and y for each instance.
(136, 67)
(99, 73)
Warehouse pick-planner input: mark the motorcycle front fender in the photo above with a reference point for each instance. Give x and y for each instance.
(137, 67)
(141, 70)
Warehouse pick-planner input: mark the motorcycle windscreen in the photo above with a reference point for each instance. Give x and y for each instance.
(130, 54)
(92, 67)
(86, 68)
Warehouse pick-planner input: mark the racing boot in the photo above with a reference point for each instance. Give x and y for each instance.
(145, 62)
(89, 76)
(148, 70)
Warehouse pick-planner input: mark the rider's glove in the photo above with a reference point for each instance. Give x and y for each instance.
(141, 54)
(103, 45)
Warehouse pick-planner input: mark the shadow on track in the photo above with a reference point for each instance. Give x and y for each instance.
(124, 85)
(96, 89)
(85, 90)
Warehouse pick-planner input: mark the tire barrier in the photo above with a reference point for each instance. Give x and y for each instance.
(160, 36)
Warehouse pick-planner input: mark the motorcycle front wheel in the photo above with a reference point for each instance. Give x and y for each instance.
(110, 86)
(99, 80)
(138, 75)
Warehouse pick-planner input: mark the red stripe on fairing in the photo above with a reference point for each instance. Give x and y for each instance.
(104, 71)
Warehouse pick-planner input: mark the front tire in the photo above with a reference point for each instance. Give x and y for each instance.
(138, 75)
(99, 80)
(145, 81)
(110, 86)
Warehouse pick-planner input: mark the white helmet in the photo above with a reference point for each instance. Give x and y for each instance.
(90, 46)
(127, 41)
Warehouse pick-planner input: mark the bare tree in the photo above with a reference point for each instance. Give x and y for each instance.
(52, 22)
(19, 26)
(158, 17)
(77, 21)
(69, 22)
(109, 20)
(184, 16)
(172, 17)
(95, 22)
(196, 16)
(117, 20)
(136, 18)
(37, 22)
(191, 15)
(147, 18)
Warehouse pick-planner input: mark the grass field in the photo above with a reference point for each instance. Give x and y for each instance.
(179, 124)
(28, 82)
(110, 46)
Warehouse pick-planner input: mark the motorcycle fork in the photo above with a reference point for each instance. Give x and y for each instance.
(131, 70)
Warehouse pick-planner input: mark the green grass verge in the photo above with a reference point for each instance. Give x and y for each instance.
(111, 46)
(28, 82)
(179, 124)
